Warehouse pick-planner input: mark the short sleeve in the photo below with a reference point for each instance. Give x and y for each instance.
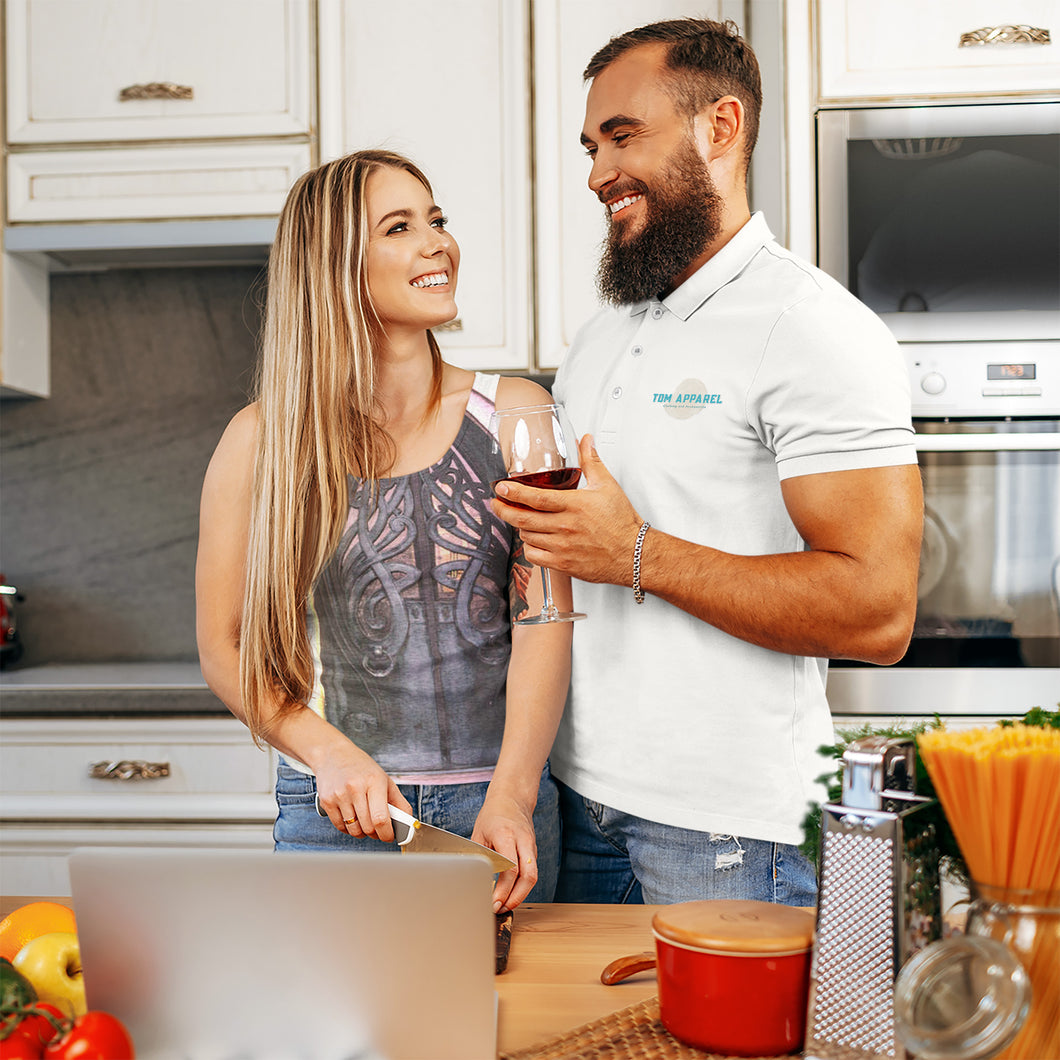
(832, 390)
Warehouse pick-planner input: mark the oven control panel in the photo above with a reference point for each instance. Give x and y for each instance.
(984, 378)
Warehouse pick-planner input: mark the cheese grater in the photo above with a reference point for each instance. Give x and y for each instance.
(878, 901)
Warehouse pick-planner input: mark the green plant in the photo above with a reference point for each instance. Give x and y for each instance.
(1040, 719)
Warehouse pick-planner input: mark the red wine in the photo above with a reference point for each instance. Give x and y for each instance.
(562, 478)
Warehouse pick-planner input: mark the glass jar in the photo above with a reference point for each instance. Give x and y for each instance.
(992, 992)
(1028, 923)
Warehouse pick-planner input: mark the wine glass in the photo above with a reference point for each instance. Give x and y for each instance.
(539, 449)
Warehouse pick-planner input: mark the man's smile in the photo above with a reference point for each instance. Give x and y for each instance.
(617, 205)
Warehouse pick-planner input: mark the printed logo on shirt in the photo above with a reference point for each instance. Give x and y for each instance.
(690, 398)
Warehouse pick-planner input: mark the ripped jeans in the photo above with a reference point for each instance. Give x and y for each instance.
(613, 857)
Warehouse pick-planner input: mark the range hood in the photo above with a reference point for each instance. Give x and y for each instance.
(106, 245)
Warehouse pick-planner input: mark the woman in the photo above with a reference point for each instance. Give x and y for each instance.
(351, 579)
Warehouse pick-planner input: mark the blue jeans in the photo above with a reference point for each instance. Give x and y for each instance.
(613, 857)
(453, 807)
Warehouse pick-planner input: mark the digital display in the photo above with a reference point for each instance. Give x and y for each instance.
(1011, 371)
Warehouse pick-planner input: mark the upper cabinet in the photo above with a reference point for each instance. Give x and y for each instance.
(153, 109)
(119, 70)
(909, 49)
(448, 86)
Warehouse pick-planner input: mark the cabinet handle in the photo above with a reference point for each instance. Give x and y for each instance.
(1005, 35)
(453, 325)
(156, 90)
(126, 770)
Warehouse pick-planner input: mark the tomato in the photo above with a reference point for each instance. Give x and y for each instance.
(36, 1026)
(19, 1047)
(94, 1036)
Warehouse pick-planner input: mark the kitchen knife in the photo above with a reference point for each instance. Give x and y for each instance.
(415, 837)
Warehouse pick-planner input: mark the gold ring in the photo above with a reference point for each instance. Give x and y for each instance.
(349, 820)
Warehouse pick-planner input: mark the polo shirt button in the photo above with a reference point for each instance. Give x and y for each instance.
(617, 392)
(657, 312)
(637, 351)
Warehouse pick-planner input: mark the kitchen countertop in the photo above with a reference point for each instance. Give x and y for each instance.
(107, 689)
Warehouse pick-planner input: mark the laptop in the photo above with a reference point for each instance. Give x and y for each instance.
(226, 954)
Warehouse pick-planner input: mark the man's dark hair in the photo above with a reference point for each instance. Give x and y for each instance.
(707, 59)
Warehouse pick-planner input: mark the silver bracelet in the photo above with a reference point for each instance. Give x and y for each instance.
(638, 592)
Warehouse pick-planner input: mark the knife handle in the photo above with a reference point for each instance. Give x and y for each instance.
(405, 824)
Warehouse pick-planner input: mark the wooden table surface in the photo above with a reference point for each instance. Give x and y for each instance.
(552, 983)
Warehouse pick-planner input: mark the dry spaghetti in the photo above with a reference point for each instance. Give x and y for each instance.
(1000, 790)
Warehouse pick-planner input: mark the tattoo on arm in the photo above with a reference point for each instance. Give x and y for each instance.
(518, 580)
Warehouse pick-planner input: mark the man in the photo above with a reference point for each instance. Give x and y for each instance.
(769, 513)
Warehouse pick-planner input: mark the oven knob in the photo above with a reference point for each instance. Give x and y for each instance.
(933, 383)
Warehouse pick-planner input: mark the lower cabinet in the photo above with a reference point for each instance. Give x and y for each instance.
(143, 782)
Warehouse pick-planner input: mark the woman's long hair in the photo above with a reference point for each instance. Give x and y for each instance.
(318, 420)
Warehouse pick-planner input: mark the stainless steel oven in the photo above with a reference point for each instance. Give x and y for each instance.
(987, 634)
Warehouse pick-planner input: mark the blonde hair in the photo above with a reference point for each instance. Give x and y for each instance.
(318, 420)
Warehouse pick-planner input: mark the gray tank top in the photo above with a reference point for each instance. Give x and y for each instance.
(409, 620)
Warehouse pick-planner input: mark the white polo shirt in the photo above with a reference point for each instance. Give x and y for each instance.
(758, 368)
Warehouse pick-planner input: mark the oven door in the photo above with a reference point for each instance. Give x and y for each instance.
(987, 633)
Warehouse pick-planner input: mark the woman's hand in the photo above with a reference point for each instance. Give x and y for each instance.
(505, 825)
(355, 792)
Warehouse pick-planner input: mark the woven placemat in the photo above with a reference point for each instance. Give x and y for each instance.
(634, 1033)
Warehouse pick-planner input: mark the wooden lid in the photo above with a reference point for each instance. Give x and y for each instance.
(732, 926)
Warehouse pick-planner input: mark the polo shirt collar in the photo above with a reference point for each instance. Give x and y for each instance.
(718, 270)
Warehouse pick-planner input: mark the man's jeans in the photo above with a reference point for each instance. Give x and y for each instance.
(610, 856)
(453, 807)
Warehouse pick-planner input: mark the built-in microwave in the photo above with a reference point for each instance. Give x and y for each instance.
(945, 220)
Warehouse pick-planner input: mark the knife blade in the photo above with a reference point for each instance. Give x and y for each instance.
(415, 837)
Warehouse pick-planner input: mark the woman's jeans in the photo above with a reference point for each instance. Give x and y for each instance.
(613, 857)
(453, 807)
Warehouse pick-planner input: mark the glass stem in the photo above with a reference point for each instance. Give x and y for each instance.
(548, 608)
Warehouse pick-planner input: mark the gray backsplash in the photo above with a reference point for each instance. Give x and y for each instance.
(101, 481)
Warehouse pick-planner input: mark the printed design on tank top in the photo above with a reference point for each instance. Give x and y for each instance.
(398, 552)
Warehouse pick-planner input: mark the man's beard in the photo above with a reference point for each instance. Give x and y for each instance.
(683, 218)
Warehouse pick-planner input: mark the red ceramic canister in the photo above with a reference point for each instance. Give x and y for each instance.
(733, 975)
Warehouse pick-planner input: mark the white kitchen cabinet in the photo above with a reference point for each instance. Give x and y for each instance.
(447, 85)
(570, 224)
(176, 781)
(161, 182)
(128, 110)
(25, 368)
(911, 49)
(111, 71)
